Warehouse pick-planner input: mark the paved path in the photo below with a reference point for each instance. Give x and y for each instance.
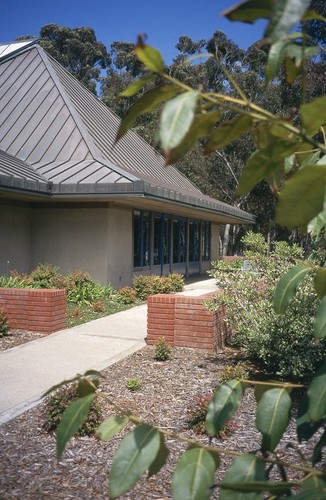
(27, 371)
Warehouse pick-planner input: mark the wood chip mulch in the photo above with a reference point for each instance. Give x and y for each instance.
(29, 469)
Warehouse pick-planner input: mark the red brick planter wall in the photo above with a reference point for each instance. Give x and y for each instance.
(35, 310)
(185, 322)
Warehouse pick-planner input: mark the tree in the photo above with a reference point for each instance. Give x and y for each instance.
(292, 160)
(78, 50)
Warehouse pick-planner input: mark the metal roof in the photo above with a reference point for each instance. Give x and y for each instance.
(53, 128)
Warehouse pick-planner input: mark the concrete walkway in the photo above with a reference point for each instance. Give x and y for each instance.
(27, 371)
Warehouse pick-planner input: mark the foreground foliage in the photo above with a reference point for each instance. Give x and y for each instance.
(290, 155)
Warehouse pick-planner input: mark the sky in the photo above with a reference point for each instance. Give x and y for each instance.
(122, 20)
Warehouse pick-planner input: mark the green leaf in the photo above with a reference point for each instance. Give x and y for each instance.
(260, 486)
(193, 477)
(287, 287)
(272, 418)
(317, 224)
(145, 103)
(229, 132)
(92, 373)
(86, 386)
(201, 127)
(317, 395)
(275, 59)
(110, 427)
(150, 57)
(318, 449)
(177, 117)
(302, 197)
(313, 115)
(310, 15)
(320, 282)
(315, 486)
(286, 13)
(245, 469)
(160, 459)
(305, 428)
(320, 321)
(136, 453)
(250, 11)
(223, 406)
(137, 85)
(263, 162)
(72, 418)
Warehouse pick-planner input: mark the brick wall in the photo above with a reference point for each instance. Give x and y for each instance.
(35, 310)
(185, 322)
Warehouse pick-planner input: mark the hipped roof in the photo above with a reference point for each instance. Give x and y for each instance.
(57, 140)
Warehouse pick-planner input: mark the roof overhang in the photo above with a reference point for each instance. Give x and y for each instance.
(135, 195)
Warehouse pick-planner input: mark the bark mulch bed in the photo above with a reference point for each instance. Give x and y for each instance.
(29, 469)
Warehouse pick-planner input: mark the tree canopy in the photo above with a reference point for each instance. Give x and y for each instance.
(78, 50)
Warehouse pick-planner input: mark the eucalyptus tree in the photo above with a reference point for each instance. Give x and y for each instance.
(78, 50)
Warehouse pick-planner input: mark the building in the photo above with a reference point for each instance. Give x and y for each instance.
(72, 197)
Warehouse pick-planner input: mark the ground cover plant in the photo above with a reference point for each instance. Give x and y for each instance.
(290, 155)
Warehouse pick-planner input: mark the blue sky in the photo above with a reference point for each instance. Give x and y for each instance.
(163, 21)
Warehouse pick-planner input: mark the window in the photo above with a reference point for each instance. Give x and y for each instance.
(205, 240)
(141, 238)
(194, 241)
(179, 240)
(162, 239)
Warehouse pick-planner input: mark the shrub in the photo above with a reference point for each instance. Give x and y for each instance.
(133, 384)
(177, 282)
(127, 295)
(284, 344)
(238, 371)
(162, 352)
(81, 288)
(58, 402)
(98, 306)
(15, 281)
(197, 411)
(4, 325)
(46, 276)
(146, 285)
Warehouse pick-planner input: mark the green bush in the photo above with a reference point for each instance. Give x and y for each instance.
(58, 402)
(283, 345)
(127, 295)
(46, 276)
(146, 285)
(15, 281)
(4, 325)
(239, 371)
(177, 282)
(81, 288)
(162, 351)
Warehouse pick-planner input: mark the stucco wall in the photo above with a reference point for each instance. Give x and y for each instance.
(120, 249)
(97, 240)
(71, 238)
(14, 239)
(215, 254)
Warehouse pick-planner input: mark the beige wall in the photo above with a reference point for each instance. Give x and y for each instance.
(120, 247)
(215, 254)
(14, 239)
(95, 240)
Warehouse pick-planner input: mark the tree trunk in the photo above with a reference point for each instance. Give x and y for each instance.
(226, 239)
